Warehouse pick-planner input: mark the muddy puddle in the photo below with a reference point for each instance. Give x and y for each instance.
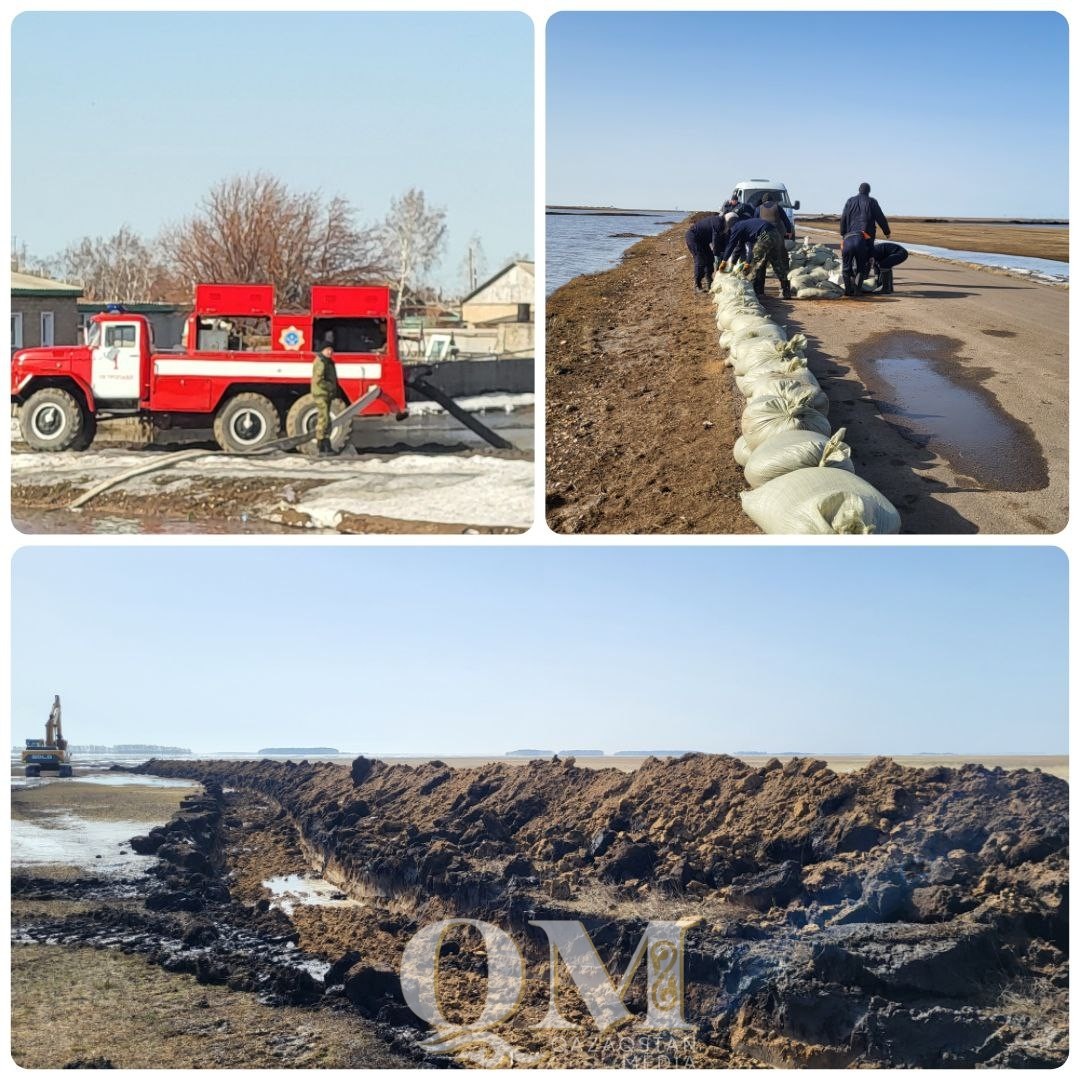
(292, 890)
(922, 389)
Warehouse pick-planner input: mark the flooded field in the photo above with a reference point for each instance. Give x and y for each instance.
(921, 389)
(85, 823)
(581, 242)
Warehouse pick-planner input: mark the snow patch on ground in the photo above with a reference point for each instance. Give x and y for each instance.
(451, 489)
(467, 491)
(481, 403)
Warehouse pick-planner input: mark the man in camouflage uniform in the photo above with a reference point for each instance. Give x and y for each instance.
(324, 386)
(768, 250)
(769, 209)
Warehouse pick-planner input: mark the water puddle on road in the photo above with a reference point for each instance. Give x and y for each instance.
(922, 390)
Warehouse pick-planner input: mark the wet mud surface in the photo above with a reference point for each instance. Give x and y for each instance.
(888, 916)
(923, 389)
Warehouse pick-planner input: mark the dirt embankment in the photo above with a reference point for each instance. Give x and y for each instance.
(1040, 242)
(639, 405)
(889, 916)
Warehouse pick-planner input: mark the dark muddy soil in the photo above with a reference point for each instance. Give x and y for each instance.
(888, 917)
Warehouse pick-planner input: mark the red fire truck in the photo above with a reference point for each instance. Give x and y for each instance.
(243, 368)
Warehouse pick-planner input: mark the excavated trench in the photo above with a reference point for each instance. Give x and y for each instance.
(890, 916)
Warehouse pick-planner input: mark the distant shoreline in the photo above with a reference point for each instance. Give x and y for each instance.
(821, 215)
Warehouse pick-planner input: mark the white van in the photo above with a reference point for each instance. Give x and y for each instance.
(751, 192)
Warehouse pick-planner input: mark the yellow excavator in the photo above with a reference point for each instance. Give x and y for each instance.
(51, 753)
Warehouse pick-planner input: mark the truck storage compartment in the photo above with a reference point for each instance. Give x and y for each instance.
(351, 335)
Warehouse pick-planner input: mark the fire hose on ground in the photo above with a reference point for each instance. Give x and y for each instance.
(416, 381)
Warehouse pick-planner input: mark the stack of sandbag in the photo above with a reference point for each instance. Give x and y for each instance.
(814, 272)
(800, 472)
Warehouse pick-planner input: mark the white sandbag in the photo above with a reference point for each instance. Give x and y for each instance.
(763, 329)
(780, 368)
(784, 386)
(766, 416)
(741, 451)
(796, 391)
(820, 502)
(743, 322)
(747, 354)
(791, 450)
(821, 290)
(815, 273)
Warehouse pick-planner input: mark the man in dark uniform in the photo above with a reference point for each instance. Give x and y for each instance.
(767, 249)
(858, 227)
(704, 238)
(324, 386)
(769, 209)
(886, 256)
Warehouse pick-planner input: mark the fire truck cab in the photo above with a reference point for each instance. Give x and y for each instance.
(243, 368)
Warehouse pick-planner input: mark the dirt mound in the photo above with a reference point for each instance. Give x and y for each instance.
(889, 916)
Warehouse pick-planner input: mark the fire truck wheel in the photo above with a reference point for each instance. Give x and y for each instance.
(300, 420)
(88, 433)
(64, 772)
(52, 419)
(245, 422)
(32, 771)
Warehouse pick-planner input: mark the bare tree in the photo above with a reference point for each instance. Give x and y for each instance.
(414, 235)
(254, 229)
(119, 267)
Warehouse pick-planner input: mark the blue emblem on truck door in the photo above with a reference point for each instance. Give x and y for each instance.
(291, 338)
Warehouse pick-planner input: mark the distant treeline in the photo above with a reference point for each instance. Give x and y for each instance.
(128, 748)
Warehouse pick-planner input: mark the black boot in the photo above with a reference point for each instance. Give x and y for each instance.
(324, 449)
(886, 281)
(849, 284)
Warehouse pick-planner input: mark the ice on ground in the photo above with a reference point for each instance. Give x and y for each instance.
(472, 489)
(481, 403)
(1041, 269)
(289, 890)
(124, 780)
(466, 491)
(69, 840)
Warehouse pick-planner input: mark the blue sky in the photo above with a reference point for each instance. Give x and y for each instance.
(957, 113)
(130, 117)
(459, 651)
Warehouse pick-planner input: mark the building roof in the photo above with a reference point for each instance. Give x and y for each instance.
(31, 285)
(524, 264)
